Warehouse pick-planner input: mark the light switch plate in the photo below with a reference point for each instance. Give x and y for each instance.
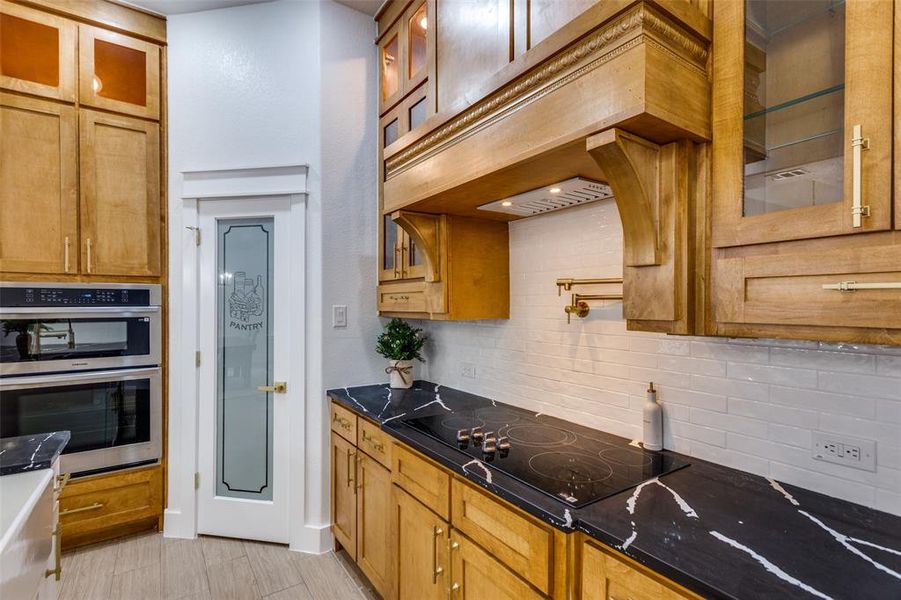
(339, 315)
(844, 450)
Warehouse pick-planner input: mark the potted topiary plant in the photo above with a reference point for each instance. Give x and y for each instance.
(401, 344)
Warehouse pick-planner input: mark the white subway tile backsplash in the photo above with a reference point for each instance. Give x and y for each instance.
(744, 403)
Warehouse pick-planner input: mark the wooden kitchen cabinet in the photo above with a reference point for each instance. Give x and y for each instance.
(344, 494)
(374, 539)
(406, 50)
(476, 574)
(802, 172)
(607, 575)
(38, 186)
(118, 73)
(400, 257)
(37, 52)
(422, 547)
(120, 195)
(451, 268)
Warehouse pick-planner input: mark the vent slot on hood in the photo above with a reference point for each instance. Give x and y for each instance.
(557, 196)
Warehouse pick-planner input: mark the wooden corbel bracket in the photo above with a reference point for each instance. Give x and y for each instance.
(632, 167)
(425, 229)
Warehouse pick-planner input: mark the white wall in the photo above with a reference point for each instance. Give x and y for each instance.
(747, 404)
(270, 84)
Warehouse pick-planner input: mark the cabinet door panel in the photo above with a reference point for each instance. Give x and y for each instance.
(120, 195)
(476, 575)
(118, 73)
(421, 550)
(786, 105)
(605, 577)
(474, 42)
(374, 543)
(38, 186)
(37, 52)
(344, 494)
(392, 57)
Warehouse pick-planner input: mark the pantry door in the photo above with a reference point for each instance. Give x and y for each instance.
(244, 387)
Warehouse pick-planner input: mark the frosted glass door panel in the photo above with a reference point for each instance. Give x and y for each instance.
(794, 104)
(245, 357)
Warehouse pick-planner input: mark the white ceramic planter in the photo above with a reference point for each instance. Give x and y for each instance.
(401, 372)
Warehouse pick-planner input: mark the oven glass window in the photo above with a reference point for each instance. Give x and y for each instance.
(59, 339)
(99, 415)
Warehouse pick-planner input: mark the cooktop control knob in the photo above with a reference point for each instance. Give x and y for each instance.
(489, 447)
(503, 443)
(463, 435)
(477, 434)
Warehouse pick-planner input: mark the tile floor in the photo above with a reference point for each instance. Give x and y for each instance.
(208, 568)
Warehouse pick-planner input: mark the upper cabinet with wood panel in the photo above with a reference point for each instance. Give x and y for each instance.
(37, 52)
(802, 171)
(118, 73)
(38, 186)
(81, 169)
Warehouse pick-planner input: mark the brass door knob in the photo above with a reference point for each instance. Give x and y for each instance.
(279, 387)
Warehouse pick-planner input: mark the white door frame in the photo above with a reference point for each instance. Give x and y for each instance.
(239, 185)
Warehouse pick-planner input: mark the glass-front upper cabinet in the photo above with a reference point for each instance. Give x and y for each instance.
(37, 52)
(802, 119)
(406, 56)
(400, 258)
(119, 73)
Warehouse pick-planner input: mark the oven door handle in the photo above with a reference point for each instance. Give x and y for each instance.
(60, 379)
(12, 312)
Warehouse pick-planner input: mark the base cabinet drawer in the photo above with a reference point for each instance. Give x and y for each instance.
(426, 482)
(374, 442)
(476, 574)
(344, 423)
(510, 537)
(402, 298)
(606, 576)
(110, 505)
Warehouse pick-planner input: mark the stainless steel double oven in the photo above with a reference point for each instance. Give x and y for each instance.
(84, 358)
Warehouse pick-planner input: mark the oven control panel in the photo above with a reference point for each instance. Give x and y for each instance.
(73, 296)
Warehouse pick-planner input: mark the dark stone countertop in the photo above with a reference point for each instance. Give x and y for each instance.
(31, 452)
(720, 532)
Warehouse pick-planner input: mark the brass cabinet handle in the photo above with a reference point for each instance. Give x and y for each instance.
(279, 387)
(57, 552)
(61, 481)
(377, 446)
(403, 259)
(351, 478)
(396, 262)
(858, 145)
(436, 570)
(66, 254)
(455, 588)
(90, 245)
(399, 297)
(72, 511)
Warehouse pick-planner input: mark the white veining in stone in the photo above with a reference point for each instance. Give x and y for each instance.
(683, 505)
(630, 503)
(484, 468)
(394, 417)
(568, 518)
(347, 391)
(437, 400)
(36, 450)
(845, 541)
(770, 566)
(775, 485)
(629, 540)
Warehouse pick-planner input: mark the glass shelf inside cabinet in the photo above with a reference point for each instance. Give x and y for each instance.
(793, 104)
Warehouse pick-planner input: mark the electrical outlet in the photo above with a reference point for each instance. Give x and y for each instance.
(468, 370)
(843, 450)
(339, 315)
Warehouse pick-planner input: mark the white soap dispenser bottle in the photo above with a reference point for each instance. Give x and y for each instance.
(653, 422)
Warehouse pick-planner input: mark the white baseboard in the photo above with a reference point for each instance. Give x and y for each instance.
(313, 539)
(175, 525)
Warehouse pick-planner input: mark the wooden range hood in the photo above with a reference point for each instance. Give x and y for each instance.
(627, 103)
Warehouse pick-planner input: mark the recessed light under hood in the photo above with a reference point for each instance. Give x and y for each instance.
(557, 196)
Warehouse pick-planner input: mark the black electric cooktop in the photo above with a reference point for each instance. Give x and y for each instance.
(569, 462)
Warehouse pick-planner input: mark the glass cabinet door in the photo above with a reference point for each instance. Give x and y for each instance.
(806, 151)
(37, 53)
(417, 44)
(391, 55)
(119, 73)
(414, 265)
(391, 236)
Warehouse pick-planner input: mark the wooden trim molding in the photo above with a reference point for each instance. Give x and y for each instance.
(640, 25)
